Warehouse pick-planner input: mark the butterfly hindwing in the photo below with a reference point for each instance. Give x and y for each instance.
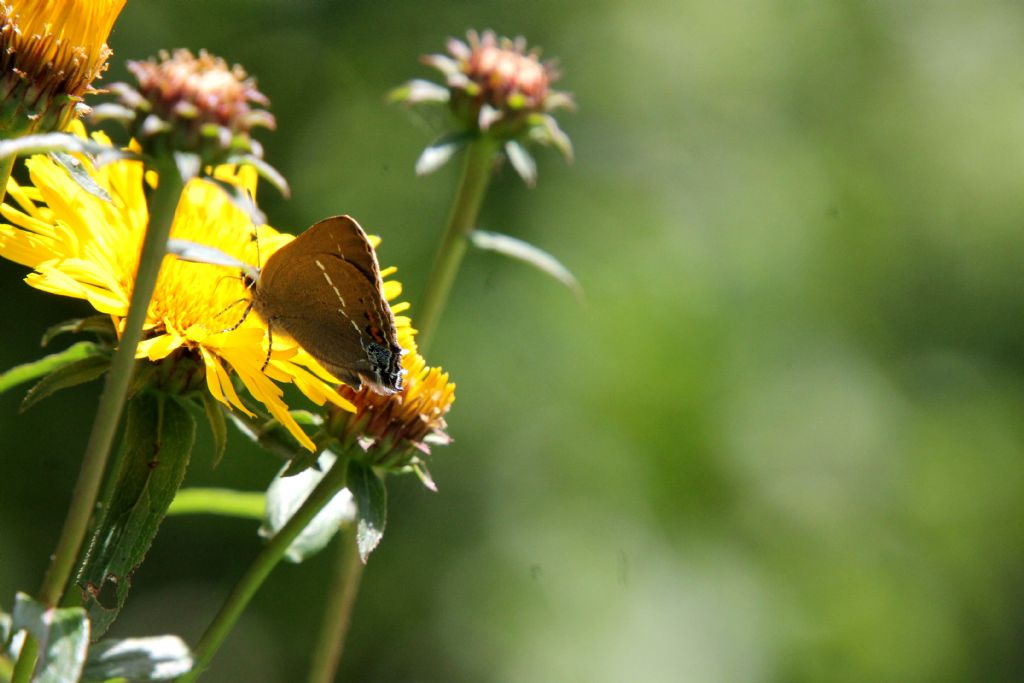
(324, 290)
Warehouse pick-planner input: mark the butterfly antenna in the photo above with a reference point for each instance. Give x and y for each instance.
(256, 235)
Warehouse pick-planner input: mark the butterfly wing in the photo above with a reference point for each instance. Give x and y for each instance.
(324, 290)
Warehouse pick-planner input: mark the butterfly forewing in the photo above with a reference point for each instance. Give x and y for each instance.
(324, 290)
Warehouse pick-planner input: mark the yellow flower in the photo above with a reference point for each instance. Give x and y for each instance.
(83, 246)
(395, 430)
(50, 53)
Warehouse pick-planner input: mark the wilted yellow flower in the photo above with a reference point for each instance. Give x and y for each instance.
(50, 53)
(394, 431)
(85, 246)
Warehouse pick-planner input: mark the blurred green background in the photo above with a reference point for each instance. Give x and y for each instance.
(782, 441)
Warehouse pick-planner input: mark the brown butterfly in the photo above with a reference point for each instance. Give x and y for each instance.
(323, 289)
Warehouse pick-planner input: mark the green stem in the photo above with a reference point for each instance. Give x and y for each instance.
(163, 203)
(6, 166)
(259, 570)
(26, 660)
(338, 613)
(476, 173)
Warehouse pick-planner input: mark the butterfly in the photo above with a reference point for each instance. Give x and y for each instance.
(324, 290)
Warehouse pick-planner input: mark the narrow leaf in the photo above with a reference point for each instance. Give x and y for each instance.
(111, 111)
(202, 253)
(72, 374)
(5, 627)
(270, 435)
(218, 426)
(45, 143)
(488, 116)
(371, 505)
(189, 165)
(222, 502)
(527, 253)
(287, 494)
(419, 90)
(97, 324)
(157, 658)
(81, 176)
(242, 201)
(141, 376)
(302, 462)
(27, 372)
(155, 450)
(522, 161)
(439, 152)
(552, 133)
(62, 635)
(265, 171)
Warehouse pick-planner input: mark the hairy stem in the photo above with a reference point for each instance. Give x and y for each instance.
(259, 570)
(476, 174)
(338, 612)
(162, 204)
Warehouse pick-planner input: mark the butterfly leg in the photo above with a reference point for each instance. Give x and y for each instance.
(270, 343)
(245, 314)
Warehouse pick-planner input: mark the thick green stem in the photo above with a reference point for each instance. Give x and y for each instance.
(163, 203)
(338, 613)
(476, 173)
(6, 166)
(259, 570)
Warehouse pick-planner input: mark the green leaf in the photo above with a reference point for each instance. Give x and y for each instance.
(549, 133)
(155, 449)
(156, 658)
(188, 163)
(80, 175)
(418, 91)
(203, 253)
(522, 161)
(269, 434)
(46, 143)
(242, 200)
(27, 372)
(223, 502)
(527, 253)
(218, 426)
(5, 627)
(98, 324)
(111, 111)
(287, 494)
(372, 506)
(72, 374)
(264, 170)
(62, 635)
(141, 376)
(439, 152)
(302, 462)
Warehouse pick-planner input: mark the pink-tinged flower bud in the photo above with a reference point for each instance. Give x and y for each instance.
(495, 87)
(191, 103)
